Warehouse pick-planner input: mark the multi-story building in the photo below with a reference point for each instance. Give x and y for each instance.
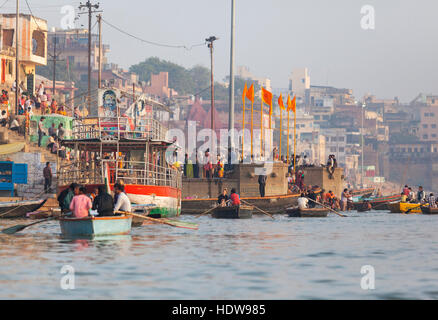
(72, 46)
(317, 96)
(32, 49)
(336, 143)
(299, 82)
(244, 73)
(428, 127)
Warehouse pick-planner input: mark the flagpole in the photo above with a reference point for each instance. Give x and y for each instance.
(270, 133)
(295, 140)
(243, 135)
(288, 134)
(261, 130)
(252, 127)
(281, 120)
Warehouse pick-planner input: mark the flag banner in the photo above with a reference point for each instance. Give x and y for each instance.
(294, 104)
(245, 90)
(267, 97)
(281, 103)
(250, 93)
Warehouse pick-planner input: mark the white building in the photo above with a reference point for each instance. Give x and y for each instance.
(336, 143)
(299, 82)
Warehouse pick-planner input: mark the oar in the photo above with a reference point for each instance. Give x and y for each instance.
(21, 227)
(262, 211)
(206, 212)
(409, 210)
(339, 214)
(177, 224)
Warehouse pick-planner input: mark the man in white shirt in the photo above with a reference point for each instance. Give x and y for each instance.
(123, 203)
(303, 202)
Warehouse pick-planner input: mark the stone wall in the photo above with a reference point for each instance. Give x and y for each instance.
(206, 188)
(318, 176)
(35, 180)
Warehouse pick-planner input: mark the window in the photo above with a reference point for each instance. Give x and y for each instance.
(433, 135)
(8, 37)
(425, 126)
(433, 126)
(341, 149)
(425, 136)
(426, 114)
(342, 139)
(409, 150)
(432, 114)
(317, 117)
(333, 139)
(333, 149)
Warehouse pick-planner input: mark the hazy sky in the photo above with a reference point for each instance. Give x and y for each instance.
(398, 58)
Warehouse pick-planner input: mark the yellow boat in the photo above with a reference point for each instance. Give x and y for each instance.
(403, 207)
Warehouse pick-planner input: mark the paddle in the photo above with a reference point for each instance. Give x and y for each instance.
(409, 210)
(339, 214)
(21, 227)
(206, 212)
(262, 211)
(173, 223)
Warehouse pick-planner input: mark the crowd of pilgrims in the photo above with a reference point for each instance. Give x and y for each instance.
(76, 202)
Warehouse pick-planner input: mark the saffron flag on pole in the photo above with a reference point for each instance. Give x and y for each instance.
(250, 93)
(292, 105)
(267, 99)
(281, 103)
(245, 90)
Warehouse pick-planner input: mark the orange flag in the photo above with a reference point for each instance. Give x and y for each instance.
(281, 103)
(250, 93)
(267, 98)
(291, 105)
(245, 90)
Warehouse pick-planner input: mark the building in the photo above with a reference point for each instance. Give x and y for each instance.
(244, 73)
(299, 82)
(32, 49)
(428, 130)
(336, 143)
(159, 86)
(72, 46)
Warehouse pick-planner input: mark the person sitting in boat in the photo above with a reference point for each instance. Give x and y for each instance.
(312, 195)
(123, 203)
(421, 195)
(223, 198)
(65, 198)
(411, 196)
(404, 197)
(432, 201)
(103, 203)
(234, 198)
(303, 202)
(81, 203)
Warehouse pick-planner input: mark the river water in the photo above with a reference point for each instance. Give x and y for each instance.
(289, 258)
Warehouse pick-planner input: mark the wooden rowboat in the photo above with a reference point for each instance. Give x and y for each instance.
(95, 226)
(19, 209)
(236, 212)
(402, 207)
(427, 210)
(307, 213)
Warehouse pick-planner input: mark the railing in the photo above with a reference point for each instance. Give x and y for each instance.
(117, 128)
(130, 172)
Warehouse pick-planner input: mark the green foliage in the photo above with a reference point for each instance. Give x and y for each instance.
(61, 74)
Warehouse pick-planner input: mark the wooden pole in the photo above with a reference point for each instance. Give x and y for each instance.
(295, 140)
(261, 130)
(243, 135)
(281, 122)
(252, 128)
(288, 135)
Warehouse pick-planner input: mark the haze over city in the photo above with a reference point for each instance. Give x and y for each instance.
(397, 58)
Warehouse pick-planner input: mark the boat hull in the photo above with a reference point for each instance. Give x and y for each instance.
(272, 205)
(237, 212)
(95, 226)
(429, 211)
(401, 207)
(307, 213)
(377, 203)
(19, 209)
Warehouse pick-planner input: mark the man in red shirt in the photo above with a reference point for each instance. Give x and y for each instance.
(234, 197)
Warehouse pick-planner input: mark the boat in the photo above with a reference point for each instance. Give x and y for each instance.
(271, 204)
(307, 213)
(19, 208)
(428, 210)
(363, 192)
(95, 226)
(377, 203)
(127, 147)
(234, 212)
(403, 207)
